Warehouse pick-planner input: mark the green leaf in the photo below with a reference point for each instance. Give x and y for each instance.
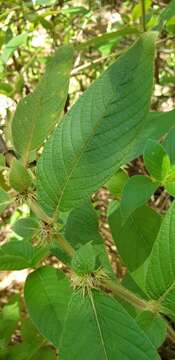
(18, 255)
(49, 308)
(26, 227)
(117, 182)
(5, 200)
(37, 114)
(166, 14)
(169, 145)
(19, 177)
(137, 191)
(106, 38)
(134, 239)
(106, 329)
(170, 188)
(44, 2)
(9, 317)
(155, 125)
(12, 45)
(105, 326)
(160, 279)
(84, 260)
(98, 131)
(82, 227)
(153, 326)
(156, 160)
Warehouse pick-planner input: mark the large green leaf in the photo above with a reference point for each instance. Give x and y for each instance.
(106, 328)
(137, 191)
(107, 331)
(37, 114)
(160, 279)
(47, 293)
(99, 131)
(134, 239)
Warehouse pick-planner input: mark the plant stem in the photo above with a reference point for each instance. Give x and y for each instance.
(170, 330)
(38, 211)
(125, 294)
(142, 3)
(66, 246)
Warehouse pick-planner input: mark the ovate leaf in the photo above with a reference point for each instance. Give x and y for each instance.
(26, 227)
(107, 331)
(134, 239)
(160, 279)
(156, 160)
(18, 255)
(12, 45)
(48, 309)
(117, 182)
(19, 177)
(99, 130)
(84, 260)
(137, 191)
(155, 125)
(37, 114)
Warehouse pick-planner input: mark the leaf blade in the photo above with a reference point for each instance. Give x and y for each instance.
(83, 145)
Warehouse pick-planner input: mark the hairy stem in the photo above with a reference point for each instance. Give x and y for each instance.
(38, 211)
(142, 3)
(118, 290)
(65, 245)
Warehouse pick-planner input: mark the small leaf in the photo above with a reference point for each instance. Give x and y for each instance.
(156, 160)
(19, 254)
(5, 200)
(26, 227)
(166, 14)
(84, 260)
(12, 45)
(134, 239)
(19, 177)
(82, 227)
(170, 188)
(117, 182)
(137, 191)
(37, 113)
